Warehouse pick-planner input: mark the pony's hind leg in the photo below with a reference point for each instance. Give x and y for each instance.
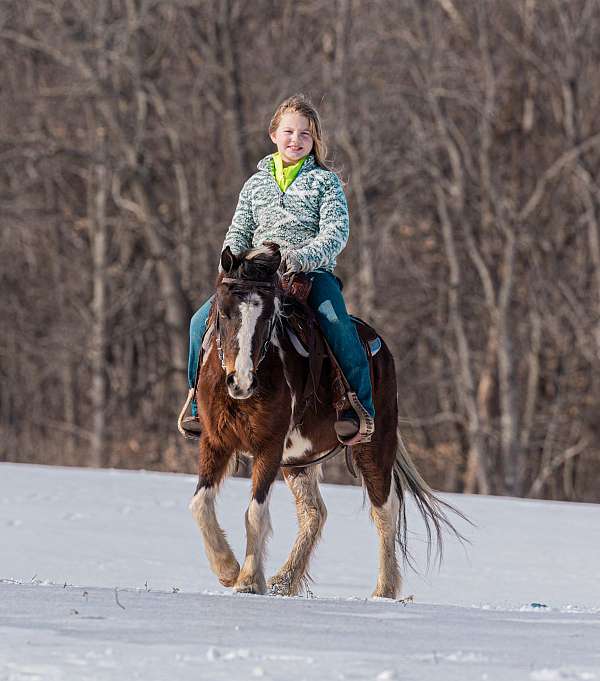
(385, 518)
(311, 512)
(258, 527)
(213, 464)
(376, 467)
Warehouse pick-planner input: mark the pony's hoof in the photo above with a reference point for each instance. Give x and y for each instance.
(229, 576)
(384, 593)
(278, 589)
(251, 586)
(280, 586)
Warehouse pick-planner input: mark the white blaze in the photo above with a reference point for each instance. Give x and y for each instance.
(250, 312)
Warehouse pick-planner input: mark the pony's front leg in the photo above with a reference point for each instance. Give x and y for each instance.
(212, 468)
(258, 527)
(311, 512)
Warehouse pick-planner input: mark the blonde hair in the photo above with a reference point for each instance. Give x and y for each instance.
(302, 105)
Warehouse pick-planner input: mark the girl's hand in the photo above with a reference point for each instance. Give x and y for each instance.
(290, 264)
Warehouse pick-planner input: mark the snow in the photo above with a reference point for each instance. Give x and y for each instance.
(103, 576)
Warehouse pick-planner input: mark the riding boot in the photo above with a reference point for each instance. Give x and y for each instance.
(354, 426)
(192, 427)
(347, 425)
(189, 426)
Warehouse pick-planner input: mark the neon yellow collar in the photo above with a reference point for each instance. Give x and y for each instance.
(284, 176)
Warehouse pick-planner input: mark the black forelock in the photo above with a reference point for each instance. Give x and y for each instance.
(259, 265)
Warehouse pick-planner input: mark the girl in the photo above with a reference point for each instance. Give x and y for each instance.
(296, 201)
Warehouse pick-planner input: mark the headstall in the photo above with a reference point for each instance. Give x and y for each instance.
(244, 284)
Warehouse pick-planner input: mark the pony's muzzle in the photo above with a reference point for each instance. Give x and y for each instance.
(241, 387)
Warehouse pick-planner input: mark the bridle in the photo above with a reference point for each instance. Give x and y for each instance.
(245, 284)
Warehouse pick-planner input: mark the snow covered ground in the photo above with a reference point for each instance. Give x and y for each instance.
(103, 576)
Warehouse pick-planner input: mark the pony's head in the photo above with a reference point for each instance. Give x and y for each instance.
(247, 303)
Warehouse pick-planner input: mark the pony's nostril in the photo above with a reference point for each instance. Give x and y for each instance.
(230, 380)
(253, 381)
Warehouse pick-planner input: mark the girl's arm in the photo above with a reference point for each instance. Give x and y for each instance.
(333, 230)
(239, 234)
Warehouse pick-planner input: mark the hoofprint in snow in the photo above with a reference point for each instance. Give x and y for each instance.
(103, 576)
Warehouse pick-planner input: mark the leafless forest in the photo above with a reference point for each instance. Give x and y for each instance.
(468, 134)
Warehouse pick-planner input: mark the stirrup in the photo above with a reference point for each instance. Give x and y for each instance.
(366, 424)
(187, 434)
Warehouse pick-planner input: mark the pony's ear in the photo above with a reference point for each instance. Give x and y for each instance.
(228, 261)
(275, 254)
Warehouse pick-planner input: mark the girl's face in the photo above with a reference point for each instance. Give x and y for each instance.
(293, 138)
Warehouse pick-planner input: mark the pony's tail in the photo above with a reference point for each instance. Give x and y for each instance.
(432, 509)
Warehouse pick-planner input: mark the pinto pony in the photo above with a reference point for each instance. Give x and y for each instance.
(249, 393)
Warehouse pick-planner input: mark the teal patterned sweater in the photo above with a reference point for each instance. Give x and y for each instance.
(311, 217)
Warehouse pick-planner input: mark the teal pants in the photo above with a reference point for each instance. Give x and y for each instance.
(328, 303)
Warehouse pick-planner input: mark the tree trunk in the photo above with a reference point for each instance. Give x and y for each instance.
(98, 189)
